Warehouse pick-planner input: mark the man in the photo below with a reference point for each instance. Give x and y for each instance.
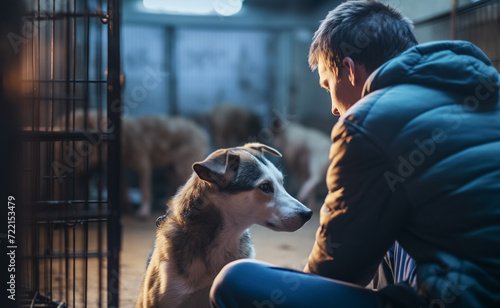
(415, 159)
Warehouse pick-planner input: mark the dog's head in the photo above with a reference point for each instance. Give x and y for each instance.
(249, 188)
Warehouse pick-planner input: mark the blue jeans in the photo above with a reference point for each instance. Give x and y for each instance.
(249, 283)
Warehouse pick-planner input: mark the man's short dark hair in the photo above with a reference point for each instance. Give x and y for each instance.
(369, 32)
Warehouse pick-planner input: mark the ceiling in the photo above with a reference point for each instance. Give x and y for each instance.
(262, 13)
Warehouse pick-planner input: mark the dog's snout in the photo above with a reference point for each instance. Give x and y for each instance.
(306, 215)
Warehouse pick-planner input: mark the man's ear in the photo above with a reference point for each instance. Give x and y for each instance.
(219, 168)
(357, 72)
(348, 64)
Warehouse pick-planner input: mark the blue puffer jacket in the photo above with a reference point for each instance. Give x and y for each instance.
(417, 160)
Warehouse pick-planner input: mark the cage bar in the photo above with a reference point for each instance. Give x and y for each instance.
(71, 211)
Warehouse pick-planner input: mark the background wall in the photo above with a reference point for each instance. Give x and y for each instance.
(477, 21)
(258, 58)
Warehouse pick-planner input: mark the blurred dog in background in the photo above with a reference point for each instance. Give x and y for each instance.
(169, 143)
(305, 149)
(159, 142)
(306, 154)
(233, 125)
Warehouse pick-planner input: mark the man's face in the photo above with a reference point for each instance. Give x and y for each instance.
(342, 92)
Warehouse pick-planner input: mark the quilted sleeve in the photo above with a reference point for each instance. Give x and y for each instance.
(361, 215)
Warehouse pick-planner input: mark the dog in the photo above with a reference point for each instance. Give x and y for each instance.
(306, 153)
(233, 125)
(160, 142)
(171, 143)
(207, 222)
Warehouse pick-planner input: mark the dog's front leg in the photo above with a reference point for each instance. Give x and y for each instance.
(306, 193)
(145, 172)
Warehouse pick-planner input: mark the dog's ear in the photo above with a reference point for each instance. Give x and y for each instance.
(260, 148)
(218, 168)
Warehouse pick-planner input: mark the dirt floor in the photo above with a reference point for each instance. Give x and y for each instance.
(279, 248)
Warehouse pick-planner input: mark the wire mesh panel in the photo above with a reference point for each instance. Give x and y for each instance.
(70, 146)
(478, 22)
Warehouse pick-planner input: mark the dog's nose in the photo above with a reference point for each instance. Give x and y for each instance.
(306, 215)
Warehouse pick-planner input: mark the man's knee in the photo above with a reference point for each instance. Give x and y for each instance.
(233, 281)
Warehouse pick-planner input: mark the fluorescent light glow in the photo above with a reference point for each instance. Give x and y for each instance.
(198, 7)
(195, 7)
(227, 7)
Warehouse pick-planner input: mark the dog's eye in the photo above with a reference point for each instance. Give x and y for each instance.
(266, 187)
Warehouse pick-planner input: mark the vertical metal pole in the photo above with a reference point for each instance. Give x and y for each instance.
(497, 15)
(172, 76)
(453, 20)
(35, 151)
(114, 107)
(282, 60)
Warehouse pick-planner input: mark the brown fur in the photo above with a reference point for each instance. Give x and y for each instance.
(147, 143)
(233, 125)
(207, 225)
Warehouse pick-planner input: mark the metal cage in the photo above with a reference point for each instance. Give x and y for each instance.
(477, 22)
(70, 140)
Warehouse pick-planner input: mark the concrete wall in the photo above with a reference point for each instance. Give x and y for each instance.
(257, 59)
